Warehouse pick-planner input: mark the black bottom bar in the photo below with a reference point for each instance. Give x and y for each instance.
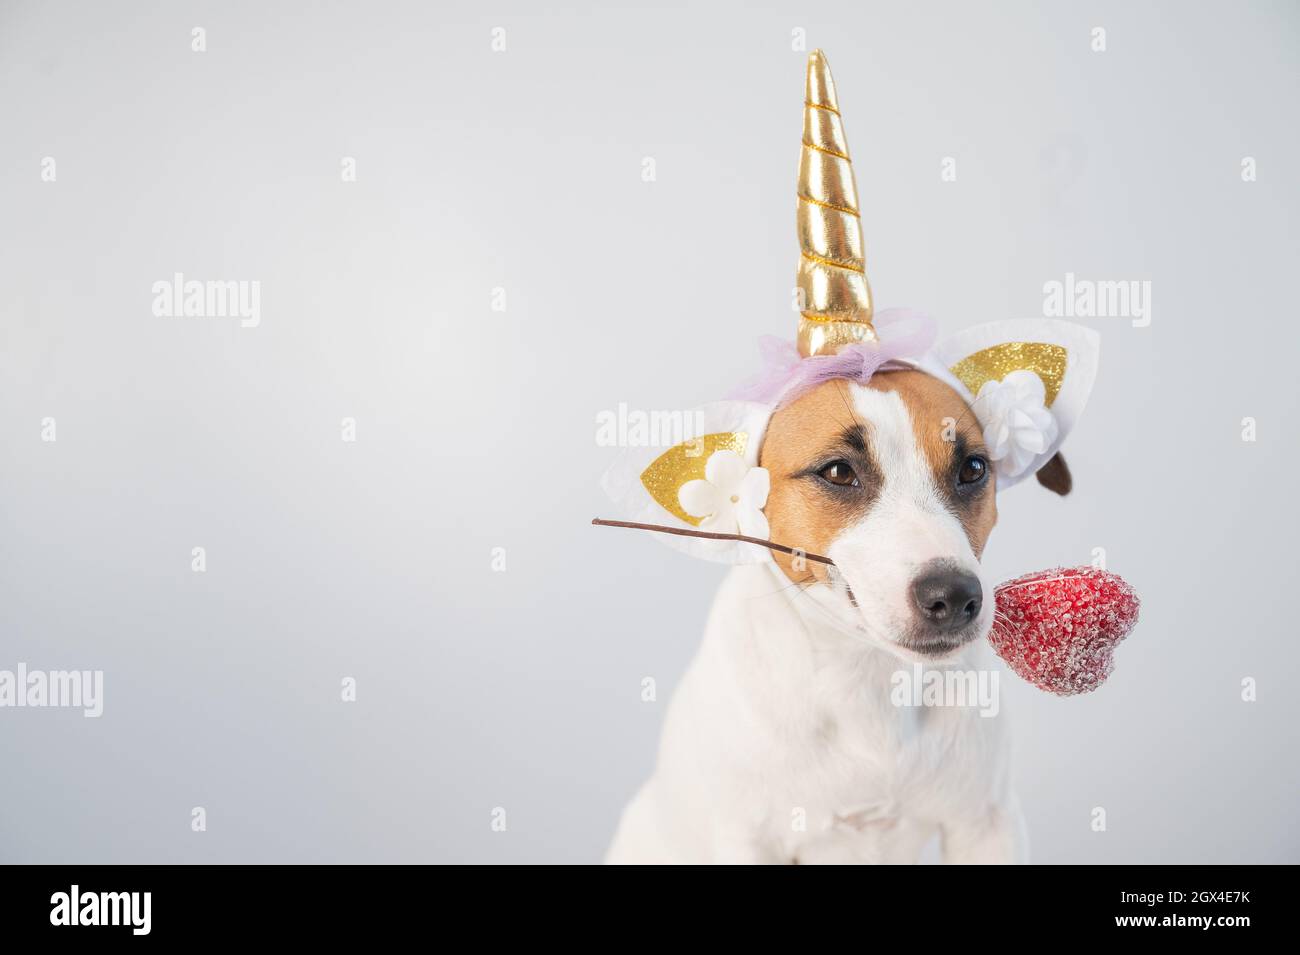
(1051, 904)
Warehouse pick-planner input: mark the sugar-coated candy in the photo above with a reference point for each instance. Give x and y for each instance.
(1058, 629)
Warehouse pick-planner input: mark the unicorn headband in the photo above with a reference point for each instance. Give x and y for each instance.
(1027, 381)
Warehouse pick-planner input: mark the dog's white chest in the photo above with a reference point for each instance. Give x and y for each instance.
(866, 782)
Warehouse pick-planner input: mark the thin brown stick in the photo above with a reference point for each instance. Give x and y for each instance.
(708, 535)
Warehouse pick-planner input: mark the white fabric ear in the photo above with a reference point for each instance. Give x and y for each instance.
(992, 352)
(745, 423)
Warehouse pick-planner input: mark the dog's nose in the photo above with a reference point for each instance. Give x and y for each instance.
(947, 600)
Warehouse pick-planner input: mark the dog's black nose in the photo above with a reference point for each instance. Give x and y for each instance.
(947, 600)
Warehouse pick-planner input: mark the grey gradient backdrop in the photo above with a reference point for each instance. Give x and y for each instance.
(476, 429)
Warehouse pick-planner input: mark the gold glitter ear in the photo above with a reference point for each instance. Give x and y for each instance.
(685, 462)
(1045, 360)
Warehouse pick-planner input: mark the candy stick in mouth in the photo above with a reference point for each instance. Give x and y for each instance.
(709, 535)
(1057, 629)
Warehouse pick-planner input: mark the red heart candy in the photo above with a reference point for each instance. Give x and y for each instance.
(1059, 628)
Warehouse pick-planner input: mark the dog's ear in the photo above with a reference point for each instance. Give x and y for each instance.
(1027, 383)
(1055, 475)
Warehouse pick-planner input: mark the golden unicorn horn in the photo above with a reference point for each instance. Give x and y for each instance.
(834, 298)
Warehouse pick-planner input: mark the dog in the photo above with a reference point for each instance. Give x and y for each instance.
(877, 447)
(781, 744)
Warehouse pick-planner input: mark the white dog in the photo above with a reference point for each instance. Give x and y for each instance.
(873, 446)
(781, 744)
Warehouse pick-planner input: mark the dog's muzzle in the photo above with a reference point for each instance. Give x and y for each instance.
(946, 602)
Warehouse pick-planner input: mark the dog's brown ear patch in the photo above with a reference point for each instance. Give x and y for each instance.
(1055, 476)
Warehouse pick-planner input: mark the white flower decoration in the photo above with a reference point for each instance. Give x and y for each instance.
(1018, 427)
(730, 498)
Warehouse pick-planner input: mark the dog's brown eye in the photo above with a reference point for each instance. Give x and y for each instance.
(973, 470)
(838, 472)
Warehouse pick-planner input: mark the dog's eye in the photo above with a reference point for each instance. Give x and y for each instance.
(839, 472)
(973, 470)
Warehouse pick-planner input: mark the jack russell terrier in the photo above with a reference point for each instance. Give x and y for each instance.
(884, 451)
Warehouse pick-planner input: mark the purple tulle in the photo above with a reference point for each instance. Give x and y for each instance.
(903, 333)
